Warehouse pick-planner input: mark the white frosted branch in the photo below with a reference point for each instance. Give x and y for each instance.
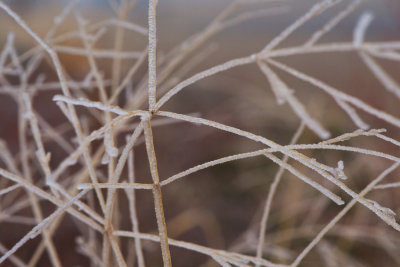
(97, 53)
(387, 81)
(315, 10)
(284, 94)
(333, 22)
(132, 210)
(152, 54)
(71, 159)
(89, 104)
(13, 258)
(361, 27)
(40, 227)
(271, 194)
(275, 147)
(44, 195)
(115, 186)
(43, 157)
(212, 163)
(157, 195)
(352, 114)
(201, 75)
(388, 185)
(128, 25)
(336, 93)
(335, 220)
(230, 257)
(388, 54)
(46, 47)
(279, 89)
(345, 148)
(305, 179)
(320, 168)
(111, 150)
(347, 136)
(9, 189)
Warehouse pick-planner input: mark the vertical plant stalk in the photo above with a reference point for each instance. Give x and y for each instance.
(23, 118)
(152, 54)
(271, 194)
(112, 192)
(54, 226)
(123, 11)
(132, 210)
(158, 204)
(22, 132)
(128, 77)
(49, 245)
(108, 139)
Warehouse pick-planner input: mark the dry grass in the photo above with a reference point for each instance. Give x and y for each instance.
(86, 168)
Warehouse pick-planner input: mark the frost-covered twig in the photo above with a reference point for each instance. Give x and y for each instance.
(157, 197)
(38, 228)
(271, 193)
(343, 212)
